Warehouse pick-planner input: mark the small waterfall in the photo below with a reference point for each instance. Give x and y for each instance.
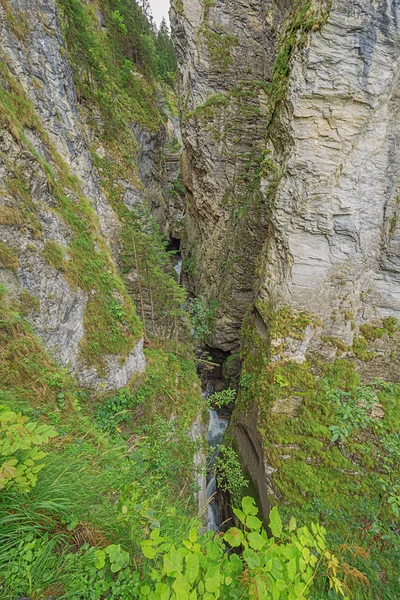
(216, 430)
(177, 263)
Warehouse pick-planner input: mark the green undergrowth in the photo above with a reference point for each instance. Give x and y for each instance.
(334, 445)
(120, 466)
(113, 66)
(143, 248)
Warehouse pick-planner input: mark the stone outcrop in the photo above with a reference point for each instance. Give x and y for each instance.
(293, 188)
(47, 151)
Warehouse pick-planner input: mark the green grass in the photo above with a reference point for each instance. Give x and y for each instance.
(96, 488)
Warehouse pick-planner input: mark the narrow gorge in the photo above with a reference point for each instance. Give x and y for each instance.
(215, 205)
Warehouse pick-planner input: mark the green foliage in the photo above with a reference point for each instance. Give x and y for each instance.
(361, 349)
(86, 262)
(352, 410)
(166, 57)
(201, 312)
(347, 482)
(282, 566)
(220, 45)
(54, 255)
(155, 291)
(20, 454)
(222, 398)
(16, 19)
(8, 257)
(115, 66)
(28, 303)
(229, 472)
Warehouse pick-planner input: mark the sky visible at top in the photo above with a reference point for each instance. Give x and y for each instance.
(160, 9)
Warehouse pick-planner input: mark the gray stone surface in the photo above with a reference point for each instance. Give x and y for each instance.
(40, 66)
(335, 243)
(323, 234)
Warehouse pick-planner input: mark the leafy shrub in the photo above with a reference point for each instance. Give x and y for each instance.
(201, 313)
(222, 398)
(229, 472)
(20, 440)
(282, 566)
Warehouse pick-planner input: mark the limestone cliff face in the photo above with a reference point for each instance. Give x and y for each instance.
(59, 232)
(333, 244)
(225, 55)
(292, 185)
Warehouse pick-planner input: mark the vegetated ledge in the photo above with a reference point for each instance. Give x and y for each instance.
(329, 443)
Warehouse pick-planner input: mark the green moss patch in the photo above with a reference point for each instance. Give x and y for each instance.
(8, 257)
(338, 458)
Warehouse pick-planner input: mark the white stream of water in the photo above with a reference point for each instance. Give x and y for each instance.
(216, 430)
(178, 266)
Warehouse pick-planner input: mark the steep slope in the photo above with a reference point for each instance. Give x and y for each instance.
(75, 187)
(95, 357)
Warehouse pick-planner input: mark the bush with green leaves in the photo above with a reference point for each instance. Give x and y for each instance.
(201, 314)
(222, 398)
(281, 567)
(20, 454)
(229, 473)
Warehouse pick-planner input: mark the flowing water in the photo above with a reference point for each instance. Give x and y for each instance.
(177, 264)
(216, 429)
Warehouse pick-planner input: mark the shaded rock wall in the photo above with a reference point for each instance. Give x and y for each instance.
(290, 126)
(225, 55)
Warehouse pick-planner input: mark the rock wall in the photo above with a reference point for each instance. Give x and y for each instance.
(292, 225)
(225, 55)
(60, 221)
(333, 248)
(290, 129)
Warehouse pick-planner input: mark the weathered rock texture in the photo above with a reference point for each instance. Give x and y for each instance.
(298, 176)
(225, 54)
(45, 143)
(292, 217)
(333, 244)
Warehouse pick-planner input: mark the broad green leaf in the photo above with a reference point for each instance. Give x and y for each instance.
(240, 515)
(253, 523)
(145, 590)
(173, 562)
(256, 540)
(193, 536)
(275, 523)
(192, 568)
(292, 524)
(212, 578)
(234, 537)
(100, 559)
(249, 506)
(181, 590)
(292, 569)
(251, 558)
(149, 551)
